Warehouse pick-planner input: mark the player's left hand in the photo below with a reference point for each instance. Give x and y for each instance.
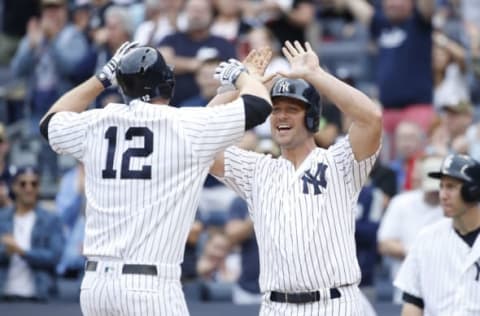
(257, 61)
(303, 61)
(107, 74)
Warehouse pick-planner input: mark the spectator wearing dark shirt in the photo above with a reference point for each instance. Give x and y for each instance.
(402, 31)
(186, 50)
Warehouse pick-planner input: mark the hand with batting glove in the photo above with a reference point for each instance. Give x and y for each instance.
(228, 72)
(107, 74)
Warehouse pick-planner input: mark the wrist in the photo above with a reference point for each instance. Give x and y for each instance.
(102, 77)
(317, 72)
(241, 79)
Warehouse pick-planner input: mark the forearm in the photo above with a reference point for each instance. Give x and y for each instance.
(79, 98)
(247, 84)
(223, 98)
(392, 248)
(349, 100)
(361, 9)
(411, 310)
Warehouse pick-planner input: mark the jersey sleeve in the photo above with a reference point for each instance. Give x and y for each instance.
(239, 171)
(212, 129)
(355, 172)
(67, 132)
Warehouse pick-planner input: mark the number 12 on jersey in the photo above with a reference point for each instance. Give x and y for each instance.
(126, 173)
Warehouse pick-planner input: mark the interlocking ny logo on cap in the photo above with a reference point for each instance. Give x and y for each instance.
(284, 86)
(447, 163)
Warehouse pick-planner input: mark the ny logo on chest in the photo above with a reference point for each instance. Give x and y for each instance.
(316, 180)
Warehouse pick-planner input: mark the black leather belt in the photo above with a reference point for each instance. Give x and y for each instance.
(304, 297)
(127, 268)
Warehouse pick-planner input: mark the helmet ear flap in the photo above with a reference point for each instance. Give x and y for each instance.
(470, 192)
(314, 112)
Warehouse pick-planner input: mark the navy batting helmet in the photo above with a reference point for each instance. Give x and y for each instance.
(300, 90)
(143, 73)
(465, 169)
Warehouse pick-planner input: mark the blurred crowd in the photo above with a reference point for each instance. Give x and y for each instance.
(420, 59)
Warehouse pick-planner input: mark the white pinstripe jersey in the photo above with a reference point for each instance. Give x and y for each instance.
(145, 166)
(304, 219)
(444, 271)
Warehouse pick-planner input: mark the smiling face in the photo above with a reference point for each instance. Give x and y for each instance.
(287, 123)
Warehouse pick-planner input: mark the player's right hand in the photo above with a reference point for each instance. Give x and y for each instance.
(303, 61)
(107, 74)
(228, 72)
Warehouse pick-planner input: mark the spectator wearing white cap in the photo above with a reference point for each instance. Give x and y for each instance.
(407, 214)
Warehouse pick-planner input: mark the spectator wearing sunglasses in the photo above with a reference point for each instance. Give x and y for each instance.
(31, 242)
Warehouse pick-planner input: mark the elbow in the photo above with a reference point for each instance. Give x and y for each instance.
(257, 110)
(375, 120)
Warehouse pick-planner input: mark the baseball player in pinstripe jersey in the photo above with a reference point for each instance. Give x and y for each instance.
(303, 203)
(441, 273)
(145, 165)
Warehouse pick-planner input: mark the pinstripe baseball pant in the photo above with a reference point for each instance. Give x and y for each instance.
(347, 305)
(108, 292)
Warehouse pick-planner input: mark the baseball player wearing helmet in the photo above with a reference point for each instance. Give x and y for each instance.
(145, 165)
(303, 203)
(441, 273)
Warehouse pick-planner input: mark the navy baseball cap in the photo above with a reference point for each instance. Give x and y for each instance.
(458, 167)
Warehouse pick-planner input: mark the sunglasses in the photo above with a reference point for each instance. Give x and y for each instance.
(33, 184)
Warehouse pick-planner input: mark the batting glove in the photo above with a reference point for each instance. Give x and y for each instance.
(107, 74)
(228, 72)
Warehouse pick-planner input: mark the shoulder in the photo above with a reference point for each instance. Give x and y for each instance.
(441, 226)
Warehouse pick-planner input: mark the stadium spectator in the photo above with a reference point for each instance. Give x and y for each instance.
(187, 49)
(160, 21)
(31, 243)
(409, 142)
(46, 57)
(288, 20)
(449, 72)
(228, 21)
(402, 31)
(206, 83)
(13, 22)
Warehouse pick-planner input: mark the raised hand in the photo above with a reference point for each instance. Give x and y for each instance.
(257, 61)
(303, 61)
(228, 72)
(107, 74)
